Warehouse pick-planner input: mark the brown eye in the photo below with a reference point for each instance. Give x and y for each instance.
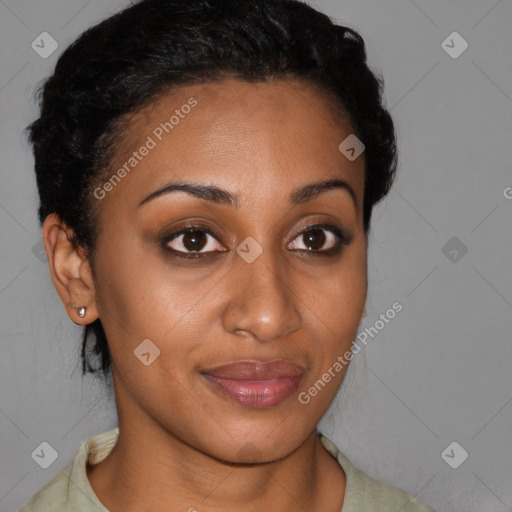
(194, 240)
(318, 238)
(191, 240)
(314, 239)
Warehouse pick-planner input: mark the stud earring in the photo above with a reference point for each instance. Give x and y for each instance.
(81, 310)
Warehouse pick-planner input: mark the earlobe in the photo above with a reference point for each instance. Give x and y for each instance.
(70, 271)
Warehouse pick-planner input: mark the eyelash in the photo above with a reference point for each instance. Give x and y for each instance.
(343, 239)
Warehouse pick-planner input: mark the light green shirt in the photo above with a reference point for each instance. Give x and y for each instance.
(70, 490)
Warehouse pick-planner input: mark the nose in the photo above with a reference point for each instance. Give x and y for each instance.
(262, 301)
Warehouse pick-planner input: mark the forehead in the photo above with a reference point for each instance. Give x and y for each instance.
(278, 102)
(243, 134)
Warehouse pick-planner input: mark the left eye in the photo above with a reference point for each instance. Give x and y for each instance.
(315, 239)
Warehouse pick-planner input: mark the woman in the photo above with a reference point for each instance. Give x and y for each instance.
(207, 171)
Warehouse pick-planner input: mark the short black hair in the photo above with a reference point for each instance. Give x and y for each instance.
(124, 63)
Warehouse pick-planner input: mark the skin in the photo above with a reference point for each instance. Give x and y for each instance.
(181, 442)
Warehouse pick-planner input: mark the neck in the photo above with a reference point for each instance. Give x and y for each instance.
(156, 469)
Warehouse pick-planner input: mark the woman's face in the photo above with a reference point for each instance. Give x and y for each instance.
(261, 283)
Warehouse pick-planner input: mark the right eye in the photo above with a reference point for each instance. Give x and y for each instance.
(194, 241)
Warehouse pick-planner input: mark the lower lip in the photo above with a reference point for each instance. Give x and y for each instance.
(256, 394)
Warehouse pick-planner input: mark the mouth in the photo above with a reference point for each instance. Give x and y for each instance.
(256, 384)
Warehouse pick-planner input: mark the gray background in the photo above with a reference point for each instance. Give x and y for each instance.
(438, 372)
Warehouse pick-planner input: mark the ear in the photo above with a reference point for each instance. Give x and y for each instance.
(70, 270)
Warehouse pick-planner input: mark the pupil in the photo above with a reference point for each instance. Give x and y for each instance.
(314, 239)
(194, 240)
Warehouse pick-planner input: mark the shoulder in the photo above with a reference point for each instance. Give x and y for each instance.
(69, 490)
(53, 496)
(366, 494)
(372, 494)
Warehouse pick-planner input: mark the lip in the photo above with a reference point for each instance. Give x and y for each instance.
(256, 384)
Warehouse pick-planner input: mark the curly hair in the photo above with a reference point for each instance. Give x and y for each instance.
(124, 63)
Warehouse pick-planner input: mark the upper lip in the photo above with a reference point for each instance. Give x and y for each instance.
(256, 370)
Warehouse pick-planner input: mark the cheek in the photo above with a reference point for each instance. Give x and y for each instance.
(338, 310)
(339, 296)
(145, 298)
(337, 306)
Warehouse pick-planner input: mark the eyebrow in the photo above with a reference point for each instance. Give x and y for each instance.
(218, 195)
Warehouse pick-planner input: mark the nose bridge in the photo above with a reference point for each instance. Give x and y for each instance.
(261, 303)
